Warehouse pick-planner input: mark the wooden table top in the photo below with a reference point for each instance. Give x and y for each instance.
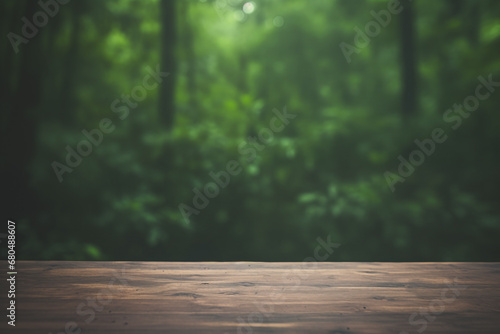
(254, 297)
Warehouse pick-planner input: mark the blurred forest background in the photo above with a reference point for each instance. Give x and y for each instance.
(231, 64)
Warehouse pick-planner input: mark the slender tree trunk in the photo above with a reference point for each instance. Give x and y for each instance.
(167, 62)
(408, 67)
(18, 142)
(9, 60)
(474, 19)
(70, 65)
(166, 107)
(188, 52)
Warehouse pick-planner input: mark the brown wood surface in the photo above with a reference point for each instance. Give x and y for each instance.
(254, 297)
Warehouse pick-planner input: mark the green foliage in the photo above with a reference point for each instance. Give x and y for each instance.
(323, 174)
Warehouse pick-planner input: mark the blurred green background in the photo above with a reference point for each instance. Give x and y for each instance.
(232, 66)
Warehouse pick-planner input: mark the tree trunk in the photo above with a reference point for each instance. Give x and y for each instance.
(18, 142)
(70, 65)
(408, 71)
(167, 62)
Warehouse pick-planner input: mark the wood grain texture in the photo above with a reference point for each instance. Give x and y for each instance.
(253, 297)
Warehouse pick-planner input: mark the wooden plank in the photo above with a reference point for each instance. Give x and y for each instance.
(251, 297)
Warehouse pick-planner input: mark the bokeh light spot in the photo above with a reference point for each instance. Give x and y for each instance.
(278, 21)
(249, 7)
